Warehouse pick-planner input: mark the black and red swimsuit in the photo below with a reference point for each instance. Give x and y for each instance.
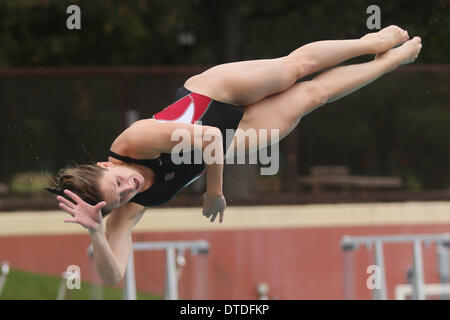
(171, 178)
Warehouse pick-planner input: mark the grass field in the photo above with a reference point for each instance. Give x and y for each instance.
(22, 285)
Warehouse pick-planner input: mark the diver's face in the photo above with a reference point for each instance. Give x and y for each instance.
(119, 184)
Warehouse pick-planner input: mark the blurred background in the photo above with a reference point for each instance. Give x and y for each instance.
(358, 163)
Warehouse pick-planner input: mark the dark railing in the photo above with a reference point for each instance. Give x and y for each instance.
(291, 191)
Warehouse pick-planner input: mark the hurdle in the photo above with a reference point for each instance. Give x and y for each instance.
(3, 275)
(174, 258)
(62, 291)
(349, 244)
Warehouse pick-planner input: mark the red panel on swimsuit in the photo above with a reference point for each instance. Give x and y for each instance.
(187, 110)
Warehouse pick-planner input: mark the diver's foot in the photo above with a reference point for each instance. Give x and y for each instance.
(404, 54)
(387, 38)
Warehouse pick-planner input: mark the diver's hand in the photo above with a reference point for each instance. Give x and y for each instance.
(89, 217)
(212, 205)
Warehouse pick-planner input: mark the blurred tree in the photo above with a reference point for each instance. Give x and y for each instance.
(377, 133)
(138, 32)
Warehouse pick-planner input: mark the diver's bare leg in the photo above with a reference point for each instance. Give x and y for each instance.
(283, 111)
(247, 82)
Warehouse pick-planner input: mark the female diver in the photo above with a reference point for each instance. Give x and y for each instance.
(240, 96)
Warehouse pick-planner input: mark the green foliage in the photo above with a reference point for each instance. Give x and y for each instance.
(138, 32)
(23, 285)
(412, 182)
(423, 139)
(28, 183)
(396, 126)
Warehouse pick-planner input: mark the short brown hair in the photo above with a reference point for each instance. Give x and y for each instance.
(83, 181)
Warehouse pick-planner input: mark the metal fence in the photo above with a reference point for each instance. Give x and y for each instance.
(349, 244)
(4, 271)
(53, 116)
(174, 260)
